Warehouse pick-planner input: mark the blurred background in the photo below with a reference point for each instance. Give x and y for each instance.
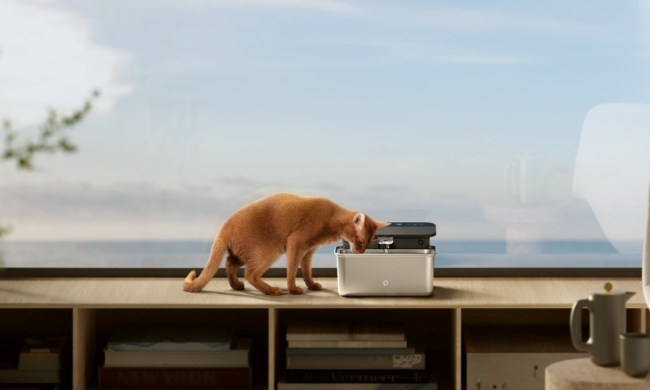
(518, 128)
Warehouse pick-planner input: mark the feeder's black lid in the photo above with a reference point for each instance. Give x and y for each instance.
(408, 229)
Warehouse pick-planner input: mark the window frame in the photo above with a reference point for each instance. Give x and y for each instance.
(34, 272)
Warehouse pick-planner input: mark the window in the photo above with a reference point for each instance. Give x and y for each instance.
(519, 128)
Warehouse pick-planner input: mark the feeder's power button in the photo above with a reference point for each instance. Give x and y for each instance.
(385, 283)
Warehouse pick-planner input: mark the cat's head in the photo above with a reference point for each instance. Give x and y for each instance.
(361, 232)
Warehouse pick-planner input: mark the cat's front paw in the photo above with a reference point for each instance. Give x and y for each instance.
(296, 290)
(237, 286)
(315, 286)
(273, 291)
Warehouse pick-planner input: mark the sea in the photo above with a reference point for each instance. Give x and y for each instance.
(194, 254)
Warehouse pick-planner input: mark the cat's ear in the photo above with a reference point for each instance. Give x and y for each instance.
(381, 224)
(359, 220)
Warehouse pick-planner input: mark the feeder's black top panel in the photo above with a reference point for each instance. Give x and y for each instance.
(408, 229)
(404, 235)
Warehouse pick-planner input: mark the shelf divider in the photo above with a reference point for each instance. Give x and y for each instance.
(273, 336)
(83, 347)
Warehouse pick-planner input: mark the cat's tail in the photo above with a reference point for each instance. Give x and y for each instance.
(194, 284)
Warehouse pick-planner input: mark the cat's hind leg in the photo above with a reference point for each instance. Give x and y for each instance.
(295, 254)
(232, 265)
(305, 265)
(253, 273)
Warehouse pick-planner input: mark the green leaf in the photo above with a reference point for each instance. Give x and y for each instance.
(51, 118)
(66, 146)
(25, 163)
(5, 230)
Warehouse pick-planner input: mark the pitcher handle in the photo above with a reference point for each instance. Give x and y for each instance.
(576, 325)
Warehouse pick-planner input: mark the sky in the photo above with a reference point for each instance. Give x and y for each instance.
(457, 113)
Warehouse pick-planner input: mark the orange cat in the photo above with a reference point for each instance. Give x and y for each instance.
(261, 231)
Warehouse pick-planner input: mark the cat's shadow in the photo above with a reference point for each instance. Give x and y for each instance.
(440, 293)
(256, 294)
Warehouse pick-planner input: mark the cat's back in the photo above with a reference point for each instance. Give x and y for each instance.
(270, 220)
(286, 207)
(286, 201)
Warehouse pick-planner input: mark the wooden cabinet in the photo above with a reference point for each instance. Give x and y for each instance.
(88, 309)
(514, 357)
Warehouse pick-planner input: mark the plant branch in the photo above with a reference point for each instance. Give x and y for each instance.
(51, 138)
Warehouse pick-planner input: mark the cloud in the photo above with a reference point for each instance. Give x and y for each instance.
(483, 19)
(49, 60)
(402, 51)
(334, 6)
(139, 210)
(55, 211)
(85, 202)
(444, 17)
(373, 30)
(442, 32)
(133, 210)
(368, 54)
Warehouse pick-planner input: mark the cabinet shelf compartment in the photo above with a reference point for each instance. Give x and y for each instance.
(428, 329)
(248, 323)
(18, 324)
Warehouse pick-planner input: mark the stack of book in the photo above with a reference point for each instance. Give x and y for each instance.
(39, 362)
(341, 355)
(171, 358)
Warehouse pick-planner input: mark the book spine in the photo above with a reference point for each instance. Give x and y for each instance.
(174, 378)
(231, 359)
(37, 361)
(347, 344)
(350, 351)
(357, 386)
(357, 376)
(357, 362)
(20, 376)
(345, 336)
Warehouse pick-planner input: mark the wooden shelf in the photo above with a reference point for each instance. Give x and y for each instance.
(167, 293)
(89, 308)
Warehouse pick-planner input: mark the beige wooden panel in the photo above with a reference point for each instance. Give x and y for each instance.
(167, 292)
(83, 347)
(457, 349)
(511, 370)
(273, 346)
